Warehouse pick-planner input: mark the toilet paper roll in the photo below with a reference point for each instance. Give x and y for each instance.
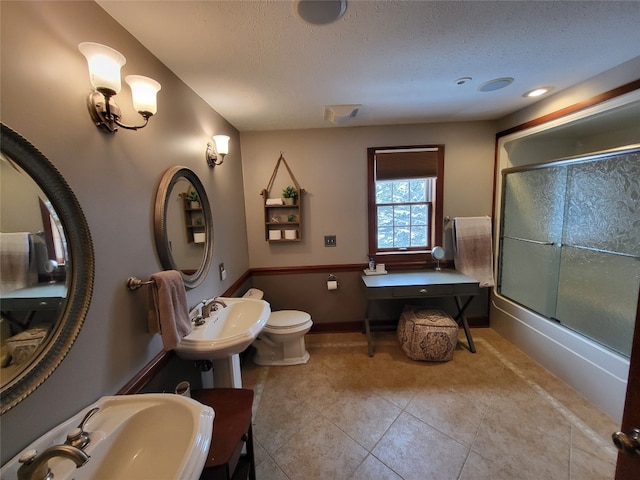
(332, 285)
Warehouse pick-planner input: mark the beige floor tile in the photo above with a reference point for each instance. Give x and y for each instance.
(363, 416)
(479, 468)
(269, 470)
(495, 414)
(515, 447)
(374, 469)
(280, 416)
(320, 450)
(587, 466)
(452, 413)
(259, 453)
(601, 452)
(417, 451)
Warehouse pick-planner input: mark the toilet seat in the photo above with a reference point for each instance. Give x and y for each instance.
(287, 320)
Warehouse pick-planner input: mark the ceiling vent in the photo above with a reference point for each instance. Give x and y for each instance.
(339, 114)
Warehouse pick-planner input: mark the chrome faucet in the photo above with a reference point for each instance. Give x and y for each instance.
(212, 306)
(78, 437)
(35, 467)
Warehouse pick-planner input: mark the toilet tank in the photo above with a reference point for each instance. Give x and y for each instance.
(254, 293)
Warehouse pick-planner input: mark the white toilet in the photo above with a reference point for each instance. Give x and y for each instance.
(281, 342)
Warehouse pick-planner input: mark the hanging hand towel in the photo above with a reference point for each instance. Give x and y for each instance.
(472, 250)
(168, 314)
(17, 261)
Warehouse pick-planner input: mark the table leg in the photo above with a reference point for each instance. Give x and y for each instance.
(367, 330)
(461, 317)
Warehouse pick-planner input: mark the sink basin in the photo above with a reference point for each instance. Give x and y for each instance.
(159, 436)
(227, 331)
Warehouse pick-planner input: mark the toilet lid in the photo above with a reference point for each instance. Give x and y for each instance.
(287, 318)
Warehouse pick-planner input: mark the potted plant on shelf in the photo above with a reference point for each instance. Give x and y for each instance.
(193, 199)
(289, 195)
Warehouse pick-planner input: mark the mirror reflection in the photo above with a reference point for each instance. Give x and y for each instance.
(46, 268)
(183, 225)
(33, 263)
(184, 221)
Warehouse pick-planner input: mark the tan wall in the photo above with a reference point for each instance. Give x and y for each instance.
(331, 164)
(45, 83)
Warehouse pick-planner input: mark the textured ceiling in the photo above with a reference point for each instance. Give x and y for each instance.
(262, 68)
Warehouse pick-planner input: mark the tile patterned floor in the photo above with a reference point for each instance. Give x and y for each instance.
(491, 415)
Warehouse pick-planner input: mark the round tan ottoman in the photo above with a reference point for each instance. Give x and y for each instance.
(427, 334)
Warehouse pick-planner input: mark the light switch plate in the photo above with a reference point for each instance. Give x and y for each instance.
(329, 240)
(223, 272)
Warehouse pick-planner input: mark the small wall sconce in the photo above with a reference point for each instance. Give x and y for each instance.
(220, 149)
(104, 72)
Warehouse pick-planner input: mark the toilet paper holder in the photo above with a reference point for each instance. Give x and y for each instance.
(332, 282)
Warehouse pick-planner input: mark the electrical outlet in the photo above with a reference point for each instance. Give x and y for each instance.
(329, 240)
(223, 272)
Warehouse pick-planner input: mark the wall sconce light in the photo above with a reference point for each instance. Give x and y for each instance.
(220, 149)
(104, 72)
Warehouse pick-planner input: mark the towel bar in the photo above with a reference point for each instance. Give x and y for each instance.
(134, 283)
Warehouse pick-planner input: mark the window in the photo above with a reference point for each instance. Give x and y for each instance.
(403, 213)
(405, 201)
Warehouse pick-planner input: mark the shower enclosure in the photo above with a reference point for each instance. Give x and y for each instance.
(568, 245)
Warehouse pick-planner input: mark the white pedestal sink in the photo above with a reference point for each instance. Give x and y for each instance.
(133, 437)
(224, 334)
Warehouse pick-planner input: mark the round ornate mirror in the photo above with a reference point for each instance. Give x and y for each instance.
(46, 272)
(184, 225)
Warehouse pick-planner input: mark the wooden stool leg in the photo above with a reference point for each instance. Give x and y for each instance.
(252, 463)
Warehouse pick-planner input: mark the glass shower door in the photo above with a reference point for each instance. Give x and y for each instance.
(533, 212)
(570, 243)
(600, 266)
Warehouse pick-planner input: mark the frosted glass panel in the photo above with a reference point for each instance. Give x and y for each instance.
(529, 274)
(603, 205)
(570, 246)
(534, 204)
(598, 294)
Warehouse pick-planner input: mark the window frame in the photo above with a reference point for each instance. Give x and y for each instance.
(401, 256)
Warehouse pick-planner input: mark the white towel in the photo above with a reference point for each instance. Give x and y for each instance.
(18, 267)
(168, 314)
(275, 201)
(472, 249)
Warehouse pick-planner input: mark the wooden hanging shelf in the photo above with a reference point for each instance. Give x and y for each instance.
(283, 222)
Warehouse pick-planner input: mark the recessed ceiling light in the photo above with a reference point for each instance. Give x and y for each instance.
(463, 80)
(495, 84)
(319, 12)
(537, 92)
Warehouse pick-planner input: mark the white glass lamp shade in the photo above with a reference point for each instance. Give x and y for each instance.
(104, 66)
(143, 93)
(222, 144)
